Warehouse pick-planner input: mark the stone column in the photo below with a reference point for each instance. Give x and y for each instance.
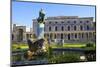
(77, 36)
(73, 36)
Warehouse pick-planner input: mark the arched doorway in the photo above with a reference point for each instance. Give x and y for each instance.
(61, 36)
(68, 36)
(20, 35)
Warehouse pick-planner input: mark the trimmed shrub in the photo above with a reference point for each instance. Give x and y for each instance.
(89, 45)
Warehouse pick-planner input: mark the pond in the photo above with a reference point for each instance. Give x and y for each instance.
(59, 55)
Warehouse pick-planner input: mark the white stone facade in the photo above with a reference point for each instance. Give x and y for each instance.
(19, 34)
(68, 29)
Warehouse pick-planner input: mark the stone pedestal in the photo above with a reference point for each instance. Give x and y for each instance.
(40, 31)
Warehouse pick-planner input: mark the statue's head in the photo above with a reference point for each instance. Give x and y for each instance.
(41, 16)
(42, 11)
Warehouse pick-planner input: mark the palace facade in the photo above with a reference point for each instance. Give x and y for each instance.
(68, 29)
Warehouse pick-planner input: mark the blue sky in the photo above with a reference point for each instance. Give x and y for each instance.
(24, 12)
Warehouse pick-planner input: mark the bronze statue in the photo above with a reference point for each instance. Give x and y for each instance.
(41, 16)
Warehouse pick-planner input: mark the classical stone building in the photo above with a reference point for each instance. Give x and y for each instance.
(68, 29)
(19, 33)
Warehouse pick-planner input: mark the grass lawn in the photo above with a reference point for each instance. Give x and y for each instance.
(69, 45)
(77, 45)
(21, 46)
(66, 45)
(74, 45)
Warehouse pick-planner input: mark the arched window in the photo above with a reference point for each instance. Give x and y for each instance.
(51, 35)
(82, 35)
(87, 21)
(68, 36)
(50, 28)
(56, 22)
(80, 21)
(56, 28)
(74, 21)
(74, 27)
(61, 36)
(75, 35)
(81, 27)
(87, 27)
(62, 28)
(68, 28)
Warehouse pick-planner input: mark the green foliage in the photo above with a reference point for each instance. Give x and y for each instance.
(66, 58)
(18, 47)
(16, 58)
(89, 45)
(50, 52)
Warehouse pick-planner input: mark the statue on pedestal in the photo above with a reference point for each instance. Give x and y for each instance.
(36, 48)
(40, 28)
